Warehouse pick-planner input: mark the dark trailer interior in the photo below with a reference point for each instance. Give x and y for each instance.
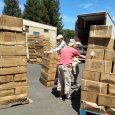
(84, 22)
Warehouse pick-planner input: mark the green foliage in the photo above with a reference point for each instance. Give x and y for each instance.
(11, 8)
(54, 14)
(68, 34)
(32, 10)
(44, 11)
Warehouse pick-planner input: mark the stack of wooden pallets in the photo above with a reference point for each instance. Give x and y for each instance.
(13, 62)
(98, 82)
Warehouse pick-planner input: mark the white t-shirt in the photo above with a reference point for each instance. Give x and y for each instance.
(62, 45)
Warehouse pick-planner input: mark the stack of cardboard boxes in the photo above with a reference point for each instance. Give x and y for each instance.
(98, 80)
(37, 44)
(31, 48)
(48, 70)
(13, 62)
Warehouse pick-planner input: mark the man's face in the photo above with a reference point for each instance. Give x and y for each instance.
(77, 46)
(59, 40)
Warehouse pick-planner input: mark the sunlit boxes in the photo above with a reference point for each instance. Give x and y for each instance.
(10, 23)
(100, 31)
(98, 65)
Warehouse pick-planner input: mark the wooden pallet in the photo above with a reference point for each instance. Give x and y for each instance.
(23, 102)
(86, 112)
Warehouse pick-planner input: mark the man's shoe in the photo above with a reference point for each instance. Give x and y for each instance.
(75, 86)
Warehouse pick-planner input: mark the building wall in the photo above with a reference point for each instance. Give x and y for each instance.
(34, 28)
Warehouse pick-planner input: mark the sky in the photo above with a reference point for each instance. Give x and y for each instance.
(70, 9)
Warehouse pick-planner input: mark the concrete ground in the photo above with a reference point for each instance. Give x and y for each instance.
(45, 100)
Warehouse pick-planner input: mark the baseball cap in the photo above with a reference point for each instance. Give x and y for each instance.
(72, 42)
(59, 36)
(78, 43)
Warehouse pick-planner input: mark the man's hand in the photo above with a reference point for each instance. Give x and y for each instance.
(48, 52)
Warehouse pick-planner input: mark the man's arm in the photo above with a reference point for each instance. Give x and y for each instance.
(59, 47)
(62, 45)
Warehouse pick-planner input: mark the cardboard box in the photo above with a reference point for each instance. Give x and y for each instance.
(13, 70)
(107, 78)
(20, 39)
(13, 56)
(106, 100)
(49, 63)
(21, 90)
(98, 65)
(6, 93)
(100, 31)
(109, 55)
(92, 107)
(49, 70)
(94, 65)
(11, 62)
(12, 85)
(91, 75)
(6, 79)
(97, 87)
(12, 50)
(20, 77)
(46, 83)
(111, 89)
(89, 96)
(100, 43)
(12, 38)
(46, 76)
(51, 56)
(95, 54)
(11, 23)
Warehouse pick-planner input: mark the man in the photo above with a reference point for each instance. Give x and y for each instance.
(75, 68)
(65, 67)
(60, 44)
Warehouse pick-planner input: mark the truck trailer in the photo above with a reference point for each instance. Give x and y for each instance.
(84, 21)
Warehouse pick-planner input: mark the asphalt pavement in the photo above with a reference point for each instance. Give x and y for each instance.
(45, 100)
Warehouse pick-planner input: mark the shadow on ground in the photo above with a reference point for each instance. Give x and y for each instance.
(75, 98)
(55, 92)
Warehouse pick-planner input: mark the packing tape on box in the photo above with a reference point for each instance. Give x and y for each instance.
(100, 87)
(1, 51)
(14, 49)
(18, 69)
(93, 43)
(85, 85)
(94, 30)
(89, 64)
(15, 38)
(84, 105)
(85, 88)
(105, 64)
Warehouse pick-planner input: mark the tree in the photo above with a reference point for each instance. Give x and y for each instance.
(44, 11)
(50, 14)
(11, 8)
(32, 10)
(68, 34)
